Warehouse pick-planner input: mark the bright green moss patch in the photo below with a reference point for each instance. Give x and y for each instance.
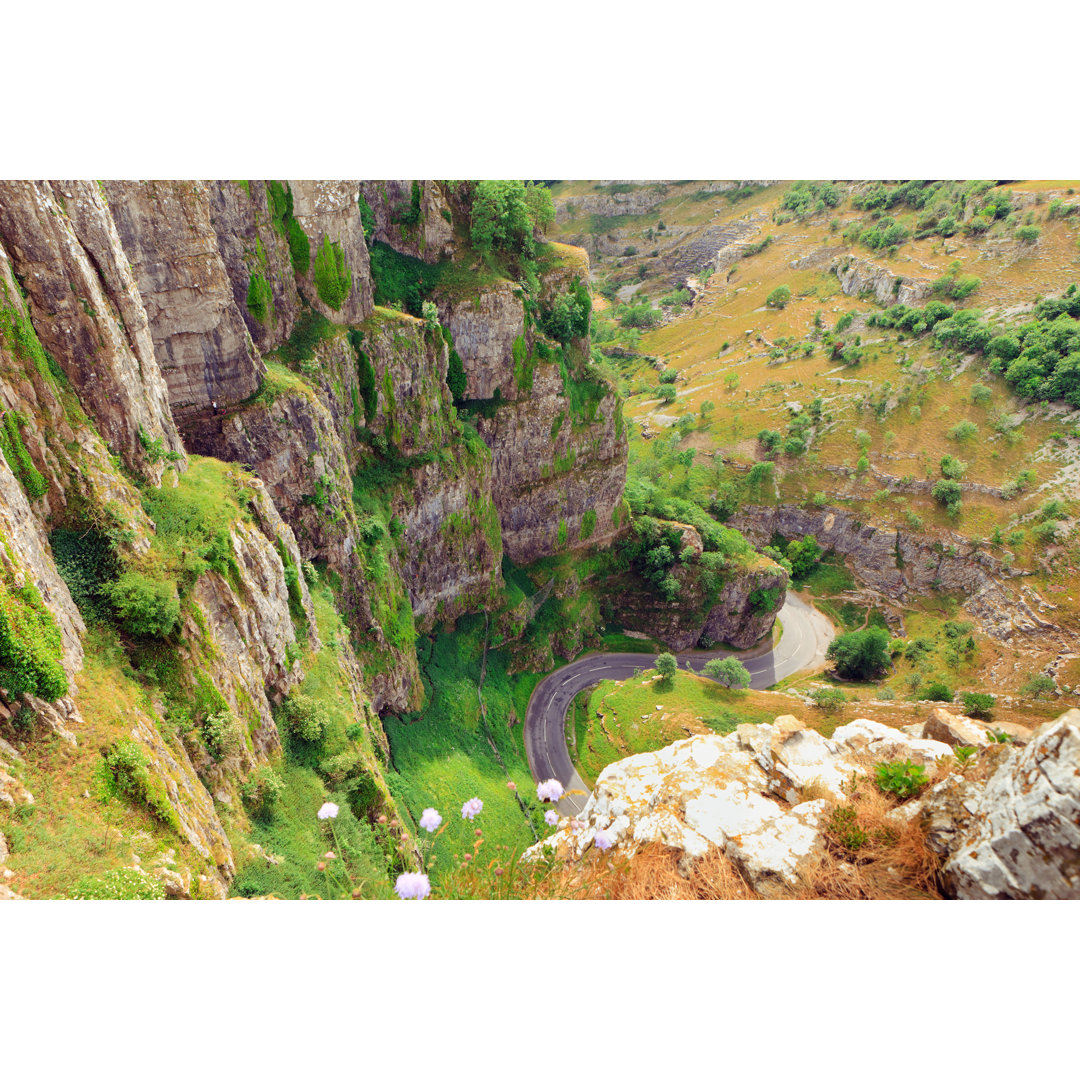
(30, 641)
(19, 461)
(333, 282)
(260, 299)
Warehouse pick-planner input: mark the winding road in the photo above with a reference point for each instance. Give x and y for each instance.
(806, 636)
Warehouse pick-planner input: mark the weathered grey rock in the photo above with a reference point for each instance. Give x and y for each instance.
(955, 730)
(329, 209)
(250, 245)
(87, 312)
(484, 329)
(202, 345)
(690, 620)
(881, 742)
(946, 811)
(432, 238)
(1024, 841)
(857, 276)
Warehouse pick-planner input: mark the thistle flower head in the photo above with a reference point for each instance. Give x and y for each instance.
(328, 810)
(511, 785)
(470, 809)
(412, 886)
(552, 817)
(430, 819)
(329, 855)
(549, 791)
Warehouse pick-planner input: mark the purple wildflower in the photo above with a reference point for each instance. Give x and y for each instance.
(430, 819)
(328, 810)
(549, 791)
(552, 817)
(412, 886)
(602, 840)
(470, 809)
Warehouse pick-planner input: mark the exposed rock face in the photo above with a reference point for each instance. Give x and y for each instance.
(432, 238)
(484, 330)
(329, 209)
(1024, 838)
(729, 615)
(607, 204)
(201, 342)
(250, 246)
(901, 565)
(1017, 835)
(857, 276)
(87, 312)
(544, 485)
(199, 823)
(249, 626)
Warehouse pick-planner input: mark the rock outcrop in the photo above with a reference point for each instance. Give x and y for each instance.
(736, 606)
(200, 339)
(1023, 838)
(391, 201)
(764, 796)
(60, 241)
(255, 251)
(858, 276)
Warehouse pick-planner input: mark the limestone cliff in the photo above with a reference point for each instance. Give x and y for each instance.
(412, 216)
(60, 241)
(201, 342)
(253, 241)
(718, 601)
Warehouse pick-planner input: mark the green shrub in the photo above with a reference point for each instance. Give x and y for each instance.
(947, 492)
(305, 717)
(963, 431)
(861, 654)
(981, 395)
(588, 524)
(900, 778)
(18, 458)
(145, 607)
(937, 691)
(1038, 686)
(829, 699)
(953, 468)
(262, 791)
(763, 601)
(978, 705)
(455, 376)
(260, 299)
(779, 297)
(221, 734)
(30, 644)
(86, 561)
(124, 771)
(666, 666)
(333, 282)
(728, 672)
(125, 883)
(1027, 234)
(843, 827)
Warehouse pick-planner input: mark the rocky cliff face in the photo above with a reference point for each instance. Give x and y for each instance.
(255, 251)
(773, 799)
(857, 276)
(391, 201)
(737, 609)
(328, 212)
(200, 339)
(900, 565)
(86, 312)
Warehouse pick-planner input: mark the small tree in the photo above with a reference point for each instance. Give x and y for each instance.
(779, 297)
(728, 672)
(666, 665)
(862, 654)
(978, 705)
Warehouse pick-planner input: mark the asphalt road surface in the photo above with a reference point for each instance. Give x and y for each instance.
(806, 636)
